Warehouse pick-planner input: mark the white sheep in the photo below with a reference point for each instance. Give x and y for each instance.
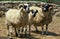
(16, 18)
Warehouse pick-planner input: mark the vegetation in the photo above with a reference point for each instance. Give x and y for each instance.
(34, 0)
(47, 1)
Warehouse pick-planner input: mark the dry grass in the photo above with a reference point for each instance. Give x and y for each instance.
(54, 30)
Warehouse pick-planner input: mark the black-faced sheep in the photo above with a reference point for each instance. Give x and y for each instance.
(43, 16)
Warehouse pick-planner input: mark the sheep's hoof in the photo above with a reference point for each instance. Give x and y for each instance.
(46, 33)
(10, 38)
(36, 30)
(19, 35)
(42, 33)
(28, 35)
(8, 35)
(16, 34)
(22, 30)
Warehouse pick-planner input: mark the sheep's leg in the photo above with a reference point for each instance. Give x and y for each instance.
(29, 30)
(36, 28)
(10, 32)
(42, 30)
(25, 30)
(16, 32)
(46, 28)
(22, 29)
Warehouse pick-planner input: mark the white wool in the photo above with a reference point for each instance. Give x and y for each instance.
(16, 17)
(12, 15)
(39, 15)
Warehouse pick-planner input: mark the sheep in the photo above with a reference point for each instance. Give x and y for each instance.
(42, 16)
(16, 18)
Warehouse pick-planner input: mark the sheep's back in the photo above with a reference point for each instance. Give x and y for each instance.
(13, 15)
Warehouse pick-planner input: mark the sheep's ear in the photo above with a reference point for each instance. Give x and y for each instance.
(43, 5)
(20, 6)
(50, 7)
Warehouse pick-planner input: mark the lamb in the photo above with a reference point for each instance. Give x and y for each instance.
(16, 18)
(42, 16)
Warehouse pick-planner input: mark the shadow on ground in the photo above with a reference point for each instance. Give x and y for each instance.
(49, 33)
(22, 36)
(27, 36)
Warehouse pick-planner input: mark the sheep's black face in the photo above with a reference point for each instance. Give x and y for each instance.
(47, 7)
(34, 12)
(26, 7)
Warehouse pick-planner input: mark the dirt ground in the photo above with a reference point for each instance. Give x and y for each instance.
(53, 30)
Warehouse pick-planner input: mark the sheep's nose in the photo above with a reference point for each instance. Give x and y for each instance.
(44, 9)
